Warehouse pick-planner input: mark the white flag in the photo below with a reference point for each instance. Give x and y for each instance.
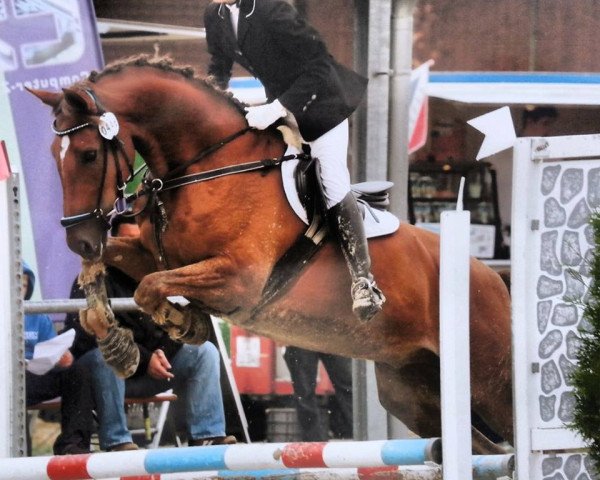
(499, 131)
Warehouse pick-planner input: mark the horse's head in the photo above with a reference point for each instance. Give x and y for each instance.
(90, 158)
(178, 122)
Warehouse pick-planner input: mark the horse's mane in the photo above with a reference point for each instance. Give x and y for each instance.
(166, 64)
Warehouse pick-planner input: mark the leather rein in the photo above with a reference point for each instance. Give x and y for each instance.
(150, 186)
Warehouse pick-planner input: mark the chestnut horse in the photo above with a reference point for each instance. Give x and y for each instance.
(221, 239)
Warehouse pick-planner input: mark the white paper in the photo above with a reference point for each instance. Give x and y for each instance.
(47, 353)
(248, 352)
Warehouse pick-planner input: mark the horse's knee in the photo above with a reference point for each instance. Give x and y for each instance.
(148, 294)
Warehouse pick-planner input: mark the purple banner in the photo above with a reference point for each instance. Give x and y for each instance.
(49, 45)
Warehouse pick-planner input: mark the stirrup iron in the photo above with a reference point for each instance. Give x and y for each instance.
(367, 298)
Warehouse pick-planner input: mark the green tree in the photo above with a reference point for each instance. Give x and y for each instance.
(586, 377)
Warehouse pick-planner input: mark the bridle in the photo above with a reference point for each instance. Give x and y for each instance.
(108, 129)
(116, 147)
(298, 254)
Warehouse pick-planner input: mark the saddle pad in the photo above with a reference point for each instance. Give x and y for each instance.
(377, 222)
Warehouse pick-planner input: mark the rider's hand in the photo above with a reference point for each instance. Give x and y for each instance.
(264, 115)
(159, 366)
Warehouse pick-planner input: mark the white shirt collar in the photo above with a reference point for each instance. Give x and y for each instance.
(234, 13)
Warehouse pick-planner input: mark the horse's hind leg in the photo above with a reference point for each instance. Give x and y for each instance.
(412, 394)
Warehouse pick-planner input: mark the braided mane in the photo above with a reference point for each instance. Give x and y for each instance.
(165, 64)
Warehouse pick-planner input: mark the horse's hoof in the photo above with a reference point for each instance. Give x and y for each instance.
(188, 324)
(96, 320)
(196, 326)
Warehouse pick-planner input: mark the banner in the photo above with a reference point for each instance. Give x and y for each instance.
(49, 45)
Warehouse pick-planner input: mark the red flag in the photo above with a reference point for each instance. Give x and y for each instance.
(4, 164)
(419, 107)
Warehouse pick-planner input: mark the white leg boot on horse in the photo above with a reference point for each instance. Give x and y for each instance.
(115, 343)
(346, 221)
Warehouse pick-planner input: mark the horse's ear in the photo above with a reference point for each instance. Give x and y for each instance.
(49, 98)
(80, 100)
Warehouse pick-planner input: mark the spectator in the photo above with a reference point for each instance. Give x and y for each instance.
(192, 371)
(538, 121)
(302, 365)
(66, 380)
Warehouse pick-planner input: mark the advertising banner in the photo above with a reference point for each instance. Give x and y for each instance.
(48, 45)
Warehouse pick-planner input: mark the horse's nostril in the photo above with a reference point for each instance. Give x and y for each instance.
(86, 242)
(87, 250)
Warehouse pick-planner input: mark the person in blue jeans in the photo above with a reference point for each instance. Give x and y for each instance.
(195, 379)
(192, 371)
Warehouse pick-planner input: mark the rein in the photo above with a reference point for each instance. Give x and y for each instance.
(298, 256)
(153, 186)
(157, 185)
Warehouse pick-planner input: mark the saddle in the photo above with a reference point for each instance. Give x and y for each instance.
(304, 191)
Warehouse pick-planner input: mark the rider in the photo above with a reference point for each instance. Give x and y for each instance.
(301, 79)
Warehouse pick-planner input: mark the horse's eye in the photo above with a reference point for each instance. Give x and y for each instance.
(89, 156)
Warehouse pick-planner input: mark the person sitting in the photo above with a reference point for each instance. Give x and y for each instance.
(66, 379)
(302, 80)
(303, 365)
(192, 371)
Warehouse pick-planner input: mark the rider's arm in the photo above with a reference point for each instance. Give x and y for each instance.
(303, 43)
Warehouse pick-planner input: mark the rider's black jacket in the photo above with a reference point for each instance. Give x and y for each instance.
(288, 56)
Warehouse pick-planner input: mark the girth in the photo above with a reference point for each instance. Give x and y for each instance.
(310, 191)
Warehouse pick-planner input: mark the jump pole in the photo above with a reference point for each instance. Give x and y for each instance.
(485, 467)
(269, 456)
(12, 396)
(300, 461)
(454, 341)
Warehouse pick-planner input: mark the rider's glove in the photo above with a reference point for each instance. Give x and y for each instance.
(264, 115)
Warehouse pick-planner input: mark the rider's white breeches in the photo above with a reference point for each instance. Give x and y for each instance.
(331, 149)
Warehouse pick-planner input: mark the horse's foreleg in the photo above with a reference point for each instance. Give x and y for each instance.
(209, 285)
(213, 283)
(116, 344)
(129, 255)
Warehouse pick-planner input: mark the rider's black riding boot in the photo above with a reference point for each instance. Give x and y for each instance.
(346, 222)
